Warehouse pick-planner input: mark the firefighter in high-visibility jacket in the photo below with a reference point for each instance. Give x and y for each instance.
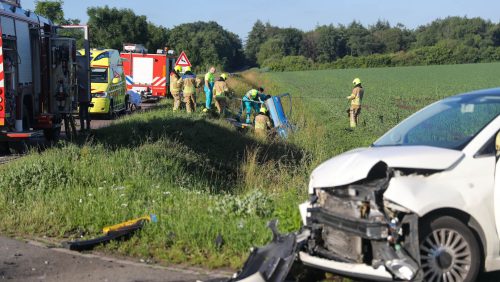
(253, 99)
(188, 81)
(356, 97)
(220, 93)
(175, 86)
(262, 123)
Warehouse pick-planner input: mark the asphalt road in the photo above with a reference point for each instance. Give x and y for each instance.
(29, 261)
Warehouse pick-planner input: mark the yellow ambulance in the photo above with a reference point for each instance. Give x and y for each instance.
(108, 85)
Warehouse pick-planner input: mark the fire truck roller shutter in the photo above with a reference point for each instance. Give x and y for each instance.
(8, 26)
(143, 70)
(24, 51)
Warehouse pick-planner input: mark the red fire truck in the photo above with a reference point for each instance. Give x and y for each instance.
(37, 76)
(147, 74)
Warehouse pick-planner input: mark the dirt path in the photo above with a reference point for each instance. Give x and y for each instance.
(29, 261)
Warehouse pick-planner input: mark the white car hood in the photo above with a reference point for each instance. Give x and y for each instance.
(355, 165)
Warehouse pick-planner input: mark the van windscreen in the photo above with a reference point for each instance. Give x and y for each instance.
(99, 75)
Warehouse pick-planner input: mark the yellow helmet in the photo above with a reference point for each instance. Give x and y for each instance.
(263, 110)
(356, 81)
(254, 93)
(177, 68)
(188, 69)
(224, 76)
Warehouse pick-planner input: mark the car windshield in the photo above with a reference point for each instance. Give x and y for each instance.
(99, 75)
(450, 123)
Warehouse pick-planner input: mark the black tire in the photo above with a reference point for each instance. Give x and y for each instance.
(111, 113)
(448, 248)
(19, 147)
(4, 148)
(26, 119)
(52, 135)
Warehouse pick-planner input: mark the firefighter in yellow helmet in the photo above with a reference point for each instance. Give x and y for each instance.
(188, 81)
(356, 97)
(220, 92)
(262, 123)
(175, 86)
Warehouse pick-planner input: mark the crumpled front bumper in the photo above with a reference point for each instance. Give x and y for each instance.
(383, 262)
(273, 261)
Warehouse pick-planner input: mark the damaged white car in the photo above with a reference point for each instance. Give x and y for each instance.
(421, 204)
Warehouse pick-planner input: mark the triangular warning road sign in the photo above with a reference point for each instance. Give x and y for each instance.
(183, 60)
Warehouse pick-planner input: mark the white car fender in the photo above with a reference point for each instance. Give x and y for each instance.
(447, 190)
(410, 192)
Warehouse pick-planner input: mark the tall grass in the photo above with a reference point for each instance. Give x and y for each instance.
(201, 177)
(204, 178)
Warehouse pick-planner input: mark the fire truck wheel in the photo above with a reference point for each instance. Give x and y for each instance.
(4, 148)
(26, 119)
(18, 147)
(52, 135)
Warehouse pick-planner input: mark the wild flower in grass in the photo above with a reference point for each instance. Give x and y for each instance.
(100, 188)
(119, 188)
(90, 194)
(80, 201)
(166, 193)
(241, 224)
(124, 205)
(252, 203)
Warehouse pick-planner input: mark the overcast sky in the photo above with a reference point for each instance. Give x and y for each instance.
(239, 16)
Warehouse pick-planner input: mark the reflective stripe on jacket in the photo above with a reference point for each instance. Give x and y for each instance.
(174, 83)
(357, 96)
(262, 122)
(220, 88)
(189, 83)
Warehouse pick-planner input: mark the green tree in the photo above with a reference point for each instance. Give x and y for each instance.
(356, 35)
(51, 10)
(256, 37)
(309, 45)
(273, 48)
(331, 43)
(157, 37)
(111, 27)
(206, 44)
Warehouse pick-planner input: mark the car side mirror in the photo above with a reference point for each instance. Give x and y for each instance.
(115, 80)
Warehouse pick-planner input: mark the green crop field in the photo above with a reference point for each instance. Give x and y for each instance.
(201, 177)
(391, 94)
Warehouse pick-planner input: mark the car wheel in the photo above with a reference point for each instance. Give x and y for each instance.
(449, 251)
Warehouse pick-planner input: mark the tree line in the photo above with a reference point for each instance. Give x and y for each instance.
(443, 41)
(205, 43)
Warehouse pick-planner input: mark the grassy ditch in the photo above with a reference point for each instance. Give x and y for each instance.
(200, 176)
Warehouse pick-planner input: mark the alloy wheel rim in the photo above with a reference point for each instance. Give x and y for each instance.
(445, 256)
